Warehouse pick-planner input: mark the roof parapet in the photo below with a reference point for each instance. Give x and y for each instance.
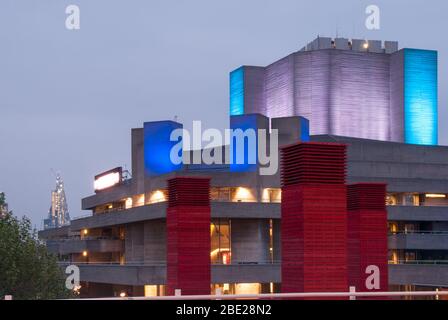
(358, 45)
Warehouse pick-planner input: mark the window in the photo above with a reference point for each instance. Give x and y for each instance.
(271, 195)
(220, 241)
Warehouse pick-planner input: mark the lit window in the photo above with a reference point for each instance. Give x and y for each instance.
(271, 195)
(150, 290)
(435, 196)
(138, 200)
(157, 196)
(241, 194)
(220, 194)
(220, 242)
(247, 288)
(128, 203)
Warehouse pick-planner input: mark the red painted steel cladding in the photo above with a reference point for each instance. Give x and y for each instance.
(192, 191)
(314, 218)
(367, 233)
(188, 236)
(314, 238)
(315, 163)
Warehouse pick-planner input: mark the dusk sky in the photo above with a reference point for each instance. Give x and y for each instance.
(69, 98)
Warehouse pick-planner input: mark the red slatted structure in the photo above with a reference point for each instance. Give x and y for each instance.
(367, 234)
(314, 218)
(188, 235)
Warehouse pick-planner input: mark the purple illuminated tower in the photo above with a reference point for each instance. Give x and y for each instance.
(355, 88)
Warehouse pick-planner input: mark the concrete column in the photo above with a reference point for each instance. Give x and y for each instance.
(134, 243)
(276, 235)
(250, 240)
(155, 242)
(138, 171)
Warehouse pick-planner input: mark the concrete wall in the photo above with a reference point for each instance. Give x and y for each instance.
(397, 96)
(138, 168)
(134, 240)
(155, 242)
(327, 87)
(276, 237)
(430, 275)
(250, 240)
(419, 241)
(423, 275)
(414, 213)
(147, 212)
(141, 275)
(77, 246)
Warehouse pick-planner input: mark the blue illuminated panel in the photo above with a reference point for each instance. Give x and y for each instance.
(157, 147)
(244, 123)
(304, 130)
(420, 97)
(237, 92)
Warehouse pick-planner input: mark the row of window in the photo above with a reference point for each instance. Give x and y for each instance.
(266, 195)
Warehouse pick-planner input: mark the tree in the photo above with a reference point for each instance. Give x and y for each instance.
(2, 202)
(27, 269)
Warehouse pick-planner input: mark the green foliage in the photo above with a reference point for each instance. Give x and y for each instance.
(27, 269)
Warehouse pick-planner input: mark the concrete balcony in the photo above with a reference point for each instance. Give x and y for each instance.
(417, 213)
(78, 245)
(147, 212)
(419, 241)
(113, 194)
(237, 210)
(54, 233)
(246, 273)
(245, 210)
(135, 275)
(140, 274)
(420, 273)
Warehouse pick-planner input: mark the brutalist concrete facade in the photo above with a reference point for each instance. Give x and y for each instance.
(379, 101)
(254, 234)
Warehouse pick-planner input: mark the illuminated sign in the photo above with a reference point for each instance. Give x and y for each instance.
(158, 146)
(247, 124)
(108, 179)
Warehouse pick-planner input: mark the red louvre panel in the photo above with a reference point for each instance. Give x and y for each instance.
(367, 234)
(314, 238)
(367, 196)
(314, 218)
(313, 163)
(189, 191)
(188, 236)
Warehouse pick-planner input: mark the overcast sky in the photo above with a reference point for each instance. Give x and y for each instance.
(68, 99)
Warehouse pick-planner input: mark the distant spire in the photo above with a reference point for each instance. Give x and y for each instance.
(58, 214)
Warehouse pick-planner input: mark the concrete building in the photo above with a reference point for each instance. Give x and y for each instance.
(126, 245)
(122, 245)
